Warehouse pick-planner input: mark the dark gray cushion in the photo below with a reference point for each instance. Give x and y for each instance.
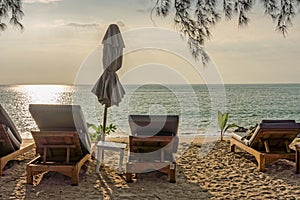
(153, 125)
(62, 118)
(6, 120)
(15, 142)
(278, 124)
(288, 125)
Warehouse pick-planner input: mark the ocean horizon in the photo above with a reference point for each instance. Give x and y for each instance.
(196, 104)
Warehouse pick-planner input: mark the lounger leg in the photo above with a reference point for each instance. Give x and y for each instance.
(29, 175)
(98, 160)
(3, 162)
(232, 147)
(261, 163)
(121, 160)
(1, 167)
(172, 173)
(297, 161)
(128, 177)
(172, 176)
(128, 174)
(75, 178)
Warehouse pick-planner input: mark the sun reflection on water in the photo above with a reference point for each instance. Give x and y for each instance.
(16, 100)
(46, 93)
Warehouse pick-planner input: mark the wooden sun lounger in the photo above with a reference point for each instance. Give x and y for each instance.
(4, 139)
(152, 145)
(11, 143)
(151, 153)
(60, 152)
(63, 143)
(269, 142)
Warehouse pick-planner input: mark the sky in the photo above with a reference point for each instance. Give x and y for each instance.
(61, 44)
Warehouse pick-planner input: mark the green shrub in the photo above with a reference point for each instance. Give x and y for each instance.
(96, 135)
(222, 121)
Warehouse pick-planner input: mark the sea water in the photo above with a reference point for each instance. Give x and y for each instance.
(197, 105)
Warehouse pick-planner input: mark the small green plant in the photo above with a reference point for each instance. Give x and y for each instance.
(98, 130)
(222, 121)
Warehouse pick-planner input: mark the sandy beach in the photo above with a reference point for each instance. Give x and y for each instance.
(205, 171)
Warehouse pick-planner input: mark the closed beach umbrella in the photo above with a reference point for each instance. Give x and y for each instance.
(108, 88)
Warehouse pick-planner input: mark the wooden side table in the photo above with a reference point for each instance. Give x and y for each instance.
(114, 146)
(297, 160)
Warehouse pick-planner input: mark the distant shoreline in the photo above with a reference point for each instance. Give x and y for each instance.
(194, 84)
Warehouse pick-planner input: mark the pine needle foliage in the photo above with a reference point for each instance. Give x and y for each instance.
(196, 18)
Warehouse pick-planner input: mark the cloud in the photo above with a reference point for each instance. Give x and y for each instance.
(40, 1)
(140, 10)
(81, 25)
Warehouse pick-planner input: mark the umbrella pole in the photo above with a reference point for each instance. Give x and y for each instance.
(103, 133)
(104, 123)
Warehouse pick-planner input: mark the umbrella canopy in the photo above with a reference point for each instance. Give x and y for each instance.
(108, 88)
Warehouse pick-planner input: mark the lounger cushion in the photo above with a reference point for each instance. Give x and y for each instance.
(276, 132)
(6, 120)
(6, 146)
(153, 125)
(268, 121)
(62, 118)
(274, 124)
(15, 142)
